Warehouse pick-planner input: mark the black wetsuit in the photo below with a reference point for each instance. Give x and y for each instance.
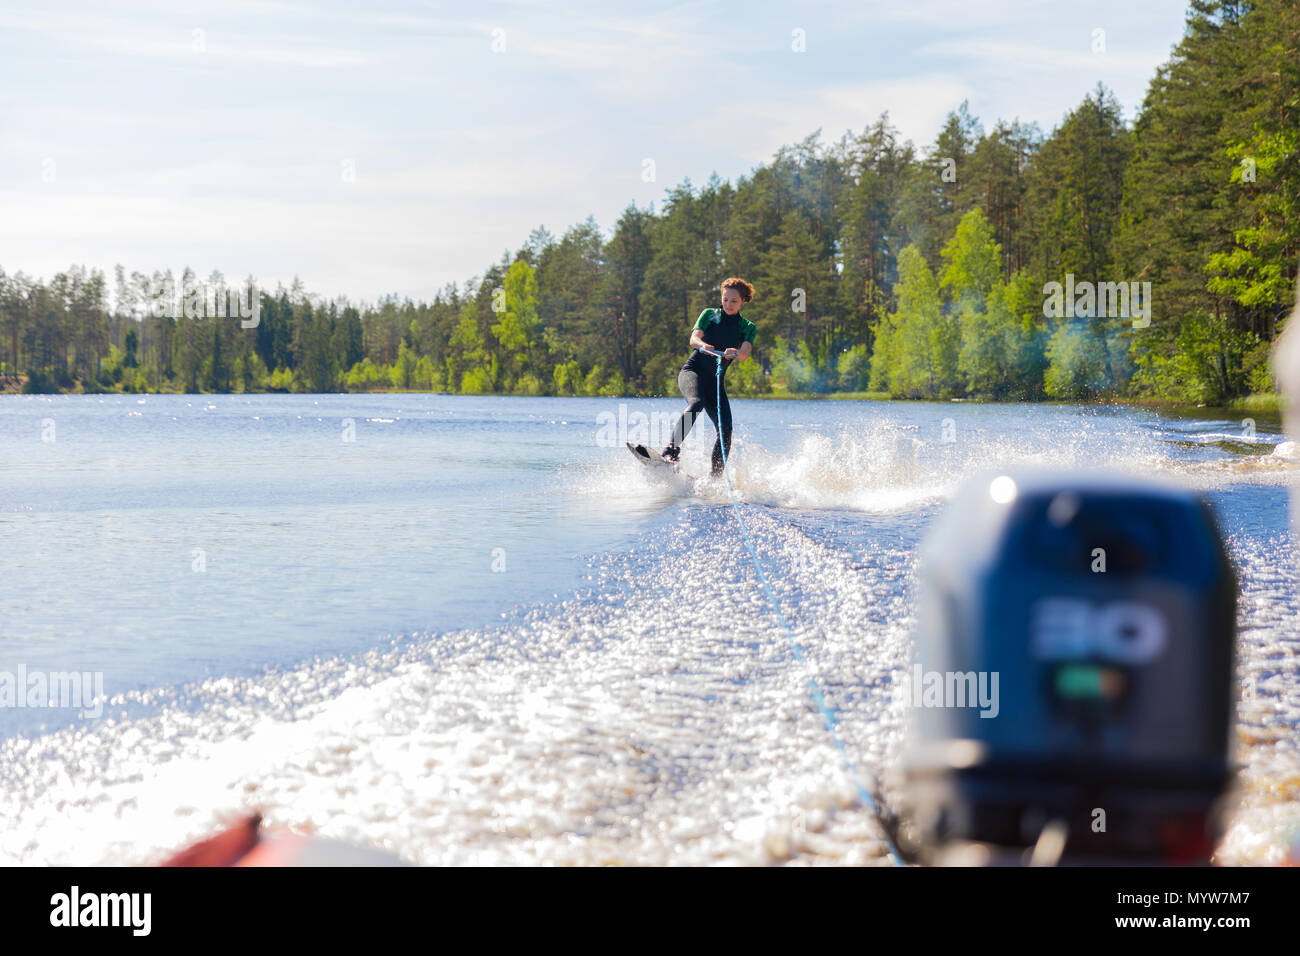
(699, 384)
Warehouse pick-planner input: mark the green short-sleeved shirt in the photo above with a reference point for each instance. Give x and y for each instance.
(717, 317)
(721, 332)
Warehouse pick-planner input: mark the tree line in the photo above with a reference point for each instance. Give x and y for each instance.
(929, 272)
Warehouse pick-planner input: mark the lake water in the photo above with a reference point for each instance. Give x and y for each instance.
(475, 630)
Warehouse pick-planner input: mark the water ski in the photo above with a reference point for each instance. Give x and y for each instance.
(647, 456)
(652, 459)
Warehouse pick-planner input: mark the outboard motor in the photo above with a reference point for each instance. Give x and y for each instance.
(1072, 687)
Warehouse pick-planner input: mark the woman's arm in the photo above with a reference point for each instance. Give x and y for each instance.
(745, 348)
(697, 338)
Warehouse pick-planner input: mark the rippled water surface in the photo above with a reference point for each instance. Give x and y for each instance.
(475, 630)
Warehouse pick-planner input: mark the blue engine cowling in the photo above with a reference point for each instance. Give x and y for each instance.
(1073, 664)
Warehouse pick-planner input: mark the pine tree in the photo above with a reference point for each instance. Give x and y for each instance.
(627, 257)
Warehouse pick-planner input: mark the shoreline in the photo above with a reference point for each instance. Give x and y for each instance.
(1270, 404)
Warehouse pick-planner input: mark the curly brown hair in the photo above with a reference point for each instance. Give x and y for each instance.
(740, 285)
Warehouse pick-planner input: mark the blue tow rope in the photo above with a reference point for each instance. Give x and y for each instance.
(813, 689)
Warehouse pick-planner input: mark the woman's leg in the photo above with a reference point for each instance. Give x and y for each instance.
(689, 384)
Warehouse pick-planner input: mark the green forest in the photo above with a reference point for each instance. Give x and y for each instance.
(880, 267)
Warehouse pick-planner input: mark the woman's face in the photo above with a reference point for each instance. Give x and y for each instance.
(730, 301)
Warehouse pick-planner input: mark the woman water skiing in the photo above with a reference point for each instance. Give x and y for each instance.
(722, 330)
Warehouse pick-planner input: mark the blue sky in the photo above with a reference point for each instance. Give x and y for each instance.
(388, 147)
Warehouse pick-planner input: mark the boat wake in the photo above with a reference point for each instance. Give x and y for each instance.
(886, 468)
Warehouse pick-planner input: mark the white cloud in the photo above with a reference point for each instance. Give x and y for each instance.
(194, 43)
(761, 125)
(1013, 15)
(1018, 61)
